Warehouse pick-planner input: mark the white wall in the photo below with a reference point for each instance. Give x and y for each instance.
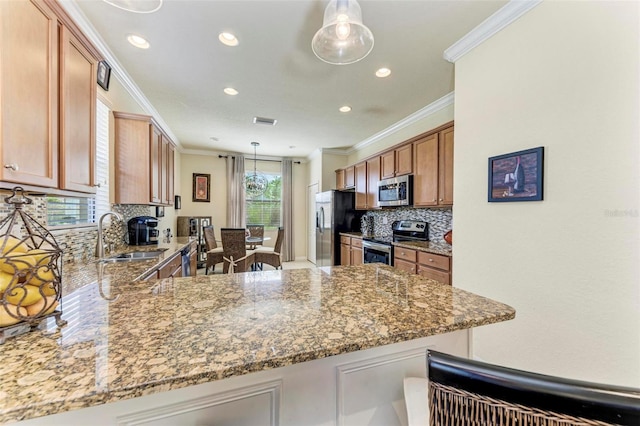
(564, 76)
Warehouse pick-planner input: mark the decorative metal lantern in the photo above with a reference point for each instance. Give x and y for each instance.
(30, 271)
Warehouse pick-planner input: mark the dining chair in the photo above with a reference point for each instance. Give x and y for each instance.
(214, 253)
(256, 231)
(271, 255)
(236, 257)
(469, 392)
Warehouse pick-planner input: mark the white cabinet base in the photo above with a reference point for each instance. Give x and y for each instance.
(358, 388)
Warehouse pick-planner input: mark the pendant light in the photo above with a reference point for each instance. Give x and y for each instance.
(255, 184)
(343, 38)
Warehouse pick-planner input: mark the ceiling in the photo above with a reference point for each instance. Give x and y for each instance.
(186, 68)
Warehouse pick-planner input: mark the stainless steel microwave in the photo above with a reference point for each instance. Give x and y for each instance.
(396, 191)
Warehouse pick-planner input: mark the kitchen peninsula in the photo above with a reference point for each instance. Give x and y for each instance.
(303, 346)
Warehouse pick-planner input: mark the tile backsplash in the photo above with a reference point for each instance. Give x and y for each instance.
(79, 242)
(440, 220)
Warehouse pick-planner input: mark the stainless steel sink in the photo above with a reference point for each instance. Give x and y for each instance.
(133, 256)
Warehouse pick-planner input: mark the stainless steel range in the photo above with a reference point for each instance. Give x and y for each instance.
(380, 250)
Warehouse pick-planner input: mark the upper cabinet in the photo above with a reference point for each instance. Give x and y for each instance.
(428, 157)
(433, 169)
(144, 158)
(397, 162)
(47, 98)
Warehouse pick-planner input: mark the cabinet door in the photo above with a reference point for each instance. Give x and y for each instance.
(356, 255)
(340, 179)
(29, 95)
(361, 185)
(373, 177)
(403, 265)
(404, 160)
(345, 254)
(387, 164)
(434, 274)
(445, 169)
(170, 173)
(425, 171)
(155, 161)
(164, 171)
(77, 115)
(349, 177)
(132, 162)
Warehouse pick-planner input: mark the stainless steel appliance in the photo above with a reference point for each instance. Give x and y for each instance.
(396, 191)
(380, 249)
(143, 230)
(191, 226)
(335, 213)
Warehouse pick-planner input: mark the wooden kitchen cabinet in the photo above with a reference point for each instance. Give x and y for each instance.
(373, 177)
(397, 162)
(340, 179)
(361, 185)
(144, 161)
(433, 169)
(429, 265)
(47, 75)
(350, 250)
(350, 177)
(173, 268)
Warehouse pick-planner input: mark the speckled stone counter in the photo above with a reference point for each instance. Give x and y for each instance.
(128, 339)
(426, 246)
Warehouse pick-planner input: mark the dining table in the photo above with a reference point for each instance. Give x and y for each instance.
(253, 242)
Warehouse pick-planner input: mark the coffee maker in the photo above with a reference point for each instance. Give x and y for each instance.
(143, 230)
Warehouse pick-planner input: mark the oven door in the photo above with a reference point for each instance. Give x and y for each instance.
(373, 252)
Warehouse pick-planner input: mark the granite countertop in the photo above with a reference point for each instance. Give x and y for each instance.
(126, 339)
(79, 274)
(352, 234)
(443, 248)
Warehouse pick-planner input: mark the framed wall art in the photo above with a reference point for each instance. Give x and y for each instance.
(516, 176)
(104, 75)
(201, 187)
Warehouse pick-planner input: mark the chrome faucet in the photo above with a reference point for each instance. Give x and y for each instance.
(100, 242)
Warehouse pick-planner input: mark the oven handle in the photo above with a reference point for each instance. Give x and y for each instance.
(376, 246)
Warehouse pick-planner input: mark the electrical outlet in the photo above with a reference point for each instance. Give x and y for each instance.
(385, 221)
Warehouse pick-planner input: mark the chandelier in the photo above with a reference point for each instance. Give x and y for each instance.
(343, 38)
(255, 184)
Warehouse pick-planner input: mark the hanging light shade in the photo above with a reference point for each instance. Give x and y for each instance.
(343, 38)
(255, 184)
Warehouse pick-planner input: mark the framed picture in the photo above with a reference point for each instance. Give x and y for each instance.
(201, 187)
(104, 75)
(159, 211)
(516, 176)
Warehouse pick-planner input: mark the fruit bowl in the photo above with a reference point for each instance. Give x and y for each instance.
(30, 272)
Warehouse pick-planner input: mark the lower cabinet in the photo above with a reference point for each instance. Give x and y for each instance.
(173, 266)
(433, 266)
(350, 250)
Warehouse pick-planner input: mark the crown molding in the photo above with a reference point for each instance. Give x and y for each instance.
(490, 26)
(72, 9)
(432, 108)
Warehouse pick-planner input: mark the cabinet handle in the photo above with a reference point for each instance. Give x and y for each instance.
(433, 201)
(430, 260)
(441, 199)
(13, 167)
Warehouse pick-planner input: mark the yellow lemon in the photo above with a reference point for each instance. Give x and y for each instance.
(48, 289)
(6, 319)
(5, 280)
(16, 262)
(43, 306)
(40, 276)
(23, 296)
(13, 244)
(42, 257)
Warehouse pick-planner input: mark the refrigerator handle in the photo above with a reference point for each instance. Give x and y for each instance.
(320, 219)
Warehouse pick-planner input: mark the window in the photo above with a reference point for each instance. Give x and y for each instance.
(265, 209)
(63, 211)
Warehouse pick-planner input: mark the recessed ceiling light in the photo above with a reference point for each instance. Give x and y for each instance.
(383, 72)
(345, 108)
(230, 91)
(138, 41)
(139, 6)
(228, 39)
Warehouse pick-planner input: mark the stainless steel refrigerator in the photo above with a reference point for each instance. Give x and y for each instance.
(335, 213)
